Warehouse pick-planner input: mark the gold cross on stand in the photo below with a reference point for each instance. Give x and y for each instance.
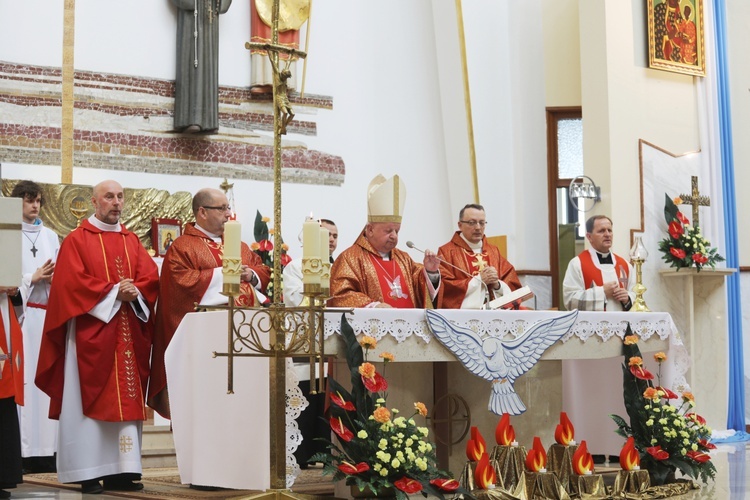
(695, 199)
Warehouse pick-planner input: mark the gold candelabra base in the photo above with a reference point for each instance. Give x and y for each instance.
(280, 495)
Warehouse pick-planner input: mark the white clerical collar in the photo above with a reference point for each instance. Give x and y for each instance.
(477, 247)
(213, 236)
(32, 228)
(385, 256)
(103, 226)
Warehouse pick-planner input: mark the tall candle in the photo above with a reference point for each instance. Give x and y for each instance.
(311, 259)
(325, 271)
(232, 260)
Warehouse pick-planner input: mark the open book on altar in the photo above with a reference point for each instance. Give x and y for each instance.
(508, 300)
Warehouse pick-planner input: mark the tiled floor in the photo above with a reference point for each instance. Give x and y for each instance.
(731, 480)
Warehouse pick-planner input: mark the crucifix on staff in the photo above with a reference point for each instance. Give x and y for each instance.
(695, 199)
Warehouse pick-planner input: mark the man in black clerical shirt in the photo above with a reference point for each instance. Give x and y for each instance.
(598, 279)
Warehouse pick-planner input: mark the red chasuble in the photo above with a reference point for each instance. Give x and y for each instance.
(113, 358)
(11, 359)
(355, 281)
(185, 276)
(458, 253)
(392, 282)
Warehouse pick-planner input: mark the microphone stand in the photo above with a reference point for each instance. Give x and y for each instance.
(485, 289)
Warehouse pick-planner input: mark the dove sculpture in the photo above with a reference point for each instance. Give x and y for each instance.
(497, 360)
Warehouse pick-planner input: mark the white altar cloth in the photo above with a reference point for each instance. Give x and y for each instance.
(218, 436)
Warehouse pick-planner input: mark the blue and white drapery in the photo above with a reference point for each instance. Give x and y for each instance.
(717, 135)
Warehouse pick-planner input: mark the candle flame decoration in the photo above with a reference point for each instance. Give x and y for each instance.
(583, 462)
(629, 456)
(504, 432)
(476, 445)
(484, 474)
(536, 459)
(564, 432)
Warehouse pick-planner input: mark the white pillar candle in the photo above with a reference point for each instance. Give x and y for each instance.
(325, 279)
(232, 239)
(311, 258)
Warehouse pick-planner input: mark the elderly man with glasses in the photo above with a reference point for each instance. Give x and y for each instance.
(473, 270)
(191, 273)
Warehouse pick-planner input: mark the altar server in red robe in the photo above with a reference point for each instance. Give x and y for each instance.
(94, 356)
(11, 393)
(487, 274)
(192, 273)
(373, 272)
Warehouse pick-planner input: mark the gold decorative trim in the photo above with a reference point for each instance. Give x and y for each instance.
(9, 226)
(384, 218)
(68, 74)
(467, 100)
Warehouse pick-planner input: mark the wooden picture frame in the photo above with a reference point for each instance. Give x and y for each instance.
(675, 36)
(163, 233)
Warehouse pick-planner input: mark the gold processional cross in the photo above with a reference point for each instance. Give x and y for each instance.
(695, 199)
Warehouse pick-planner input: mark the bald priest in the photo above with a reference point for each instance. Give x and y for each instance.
(373, 272)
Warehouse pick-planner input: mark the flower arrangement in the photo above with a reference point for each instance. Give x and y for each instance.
(665, 431)
(378, 448)
(685, 246)
(264, 247)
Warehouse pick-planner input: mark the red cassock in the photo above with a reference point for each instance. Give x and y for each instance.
(458, 253)
(113, 358)
(11, 369)
(185, 276)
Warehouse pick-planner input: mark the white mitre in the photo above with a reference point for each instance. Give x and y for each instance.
(386, 199)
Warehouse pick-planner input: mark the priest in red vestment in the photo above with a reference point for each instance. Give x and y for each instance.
(11, 393)
(373, 272)
(192, 272)
(486, 274)
(94, 355)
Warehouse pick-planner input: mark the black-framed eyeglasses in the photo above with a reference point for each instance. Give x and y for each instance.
(474, 223)
(220, 208)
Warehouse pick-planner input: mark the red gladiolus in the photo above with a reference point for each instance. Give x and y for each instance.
(677, 252)
(706, 444)
(699, 258)
(340, 429)
(265, 246)
(351, 469)
(657, 453)
(641, 373)
(375, 384)
(408, 485)
(338, 399)
(699, 456)
(285, 259)
(445, 484)
(675, 229)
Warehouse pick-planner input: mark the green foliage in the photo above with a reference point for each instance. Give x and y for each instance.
(685, 246)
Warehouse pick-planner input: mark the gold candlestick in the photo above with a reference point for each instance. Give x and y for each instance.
(638, 255)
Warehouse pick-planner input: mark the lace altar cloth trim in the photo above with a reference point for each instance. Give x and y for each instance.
(295, 405)
(403, 323)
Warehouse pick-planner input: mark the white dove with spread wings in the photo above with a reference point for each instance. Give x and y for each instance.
(497, 360)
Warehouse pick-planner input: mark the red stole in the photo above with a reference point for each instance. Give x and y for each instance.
(392, 283)
(11, 368)
(592, 273)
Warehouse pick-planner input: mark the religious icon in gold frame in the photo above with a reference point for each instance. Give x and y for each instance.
(163, 234)
(675, 36)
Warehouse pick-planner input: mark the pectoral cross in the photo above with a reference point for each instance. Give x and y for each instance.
(695, 199)
(479, 261)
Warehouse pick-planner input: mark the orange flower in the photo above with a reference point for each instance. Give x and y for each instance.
(635, 361)
(631, 339)
(368, 342)
(660, 356)
(386, 356)
(382, 415)
(367, 370)
(271, 232)
(677, 201)
(265, 219)
(421, 408)
(651, 393)
(688, 396)
(254, 245)
(285, 247)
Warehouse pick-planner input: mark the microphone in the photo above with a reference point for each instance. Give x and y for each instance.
(486, 290)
